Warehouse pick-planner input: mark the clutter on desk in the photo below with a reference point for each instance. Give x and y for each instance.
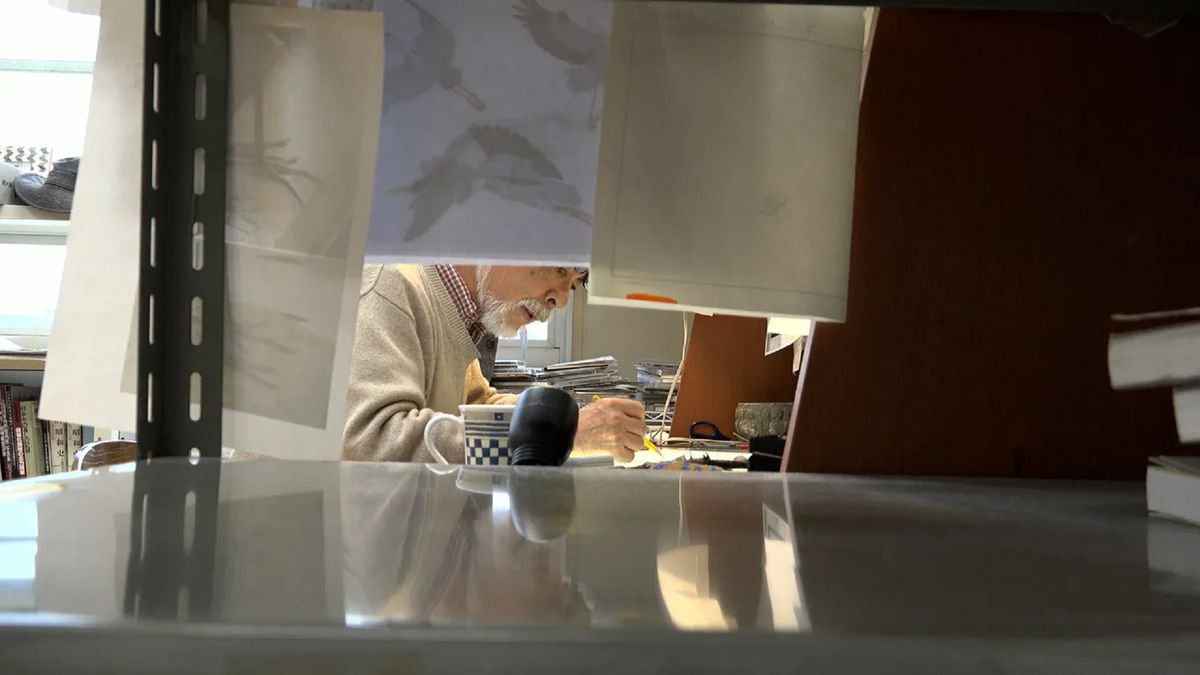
(593, 374)
(766, 453)
(656, 378)
(599, 377)
(699, 464)
(706, 430)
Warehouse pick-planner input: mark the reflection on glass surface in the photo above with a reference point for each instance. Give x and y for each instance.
(380, 546)
(455, 556)
(733, 565)
(781, 571)
(18, 555)
(684, 583)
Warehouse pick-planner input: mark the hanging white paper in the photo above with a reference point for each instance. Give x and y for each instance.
(301, 159)
(490, 135)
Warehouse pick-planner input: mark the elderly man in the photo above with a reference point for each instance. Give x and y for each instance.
(415, 356)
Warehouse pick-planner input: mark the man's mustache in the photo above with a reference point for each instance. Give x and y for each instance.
(539, 311)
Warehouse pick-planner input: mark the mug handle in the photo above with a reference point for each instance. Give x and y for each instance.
(441, 417)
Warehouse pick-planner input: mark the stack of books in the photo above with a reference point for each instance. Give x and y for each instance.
(29, 446)
(1166, 355)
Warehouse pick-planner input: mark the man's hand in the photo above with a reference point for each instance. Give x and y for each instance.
(612, 425)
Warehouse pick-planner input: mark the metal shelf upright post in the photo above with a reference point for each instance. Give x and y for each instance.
(182, 263)
(181, 310)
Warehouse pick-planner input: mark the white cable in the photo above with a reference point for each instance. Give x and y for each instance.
(678, 376)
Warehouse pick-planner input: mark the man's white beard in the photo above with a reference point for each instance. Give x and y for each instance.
(494, 313)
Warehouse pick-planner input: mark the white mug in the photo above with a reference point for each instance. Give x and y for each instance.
(8, 178)
(485, 433)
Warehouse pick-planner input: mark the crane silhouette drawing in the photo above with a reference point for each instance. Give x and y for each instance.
(429, 61)
(495, 159)
(558, 35)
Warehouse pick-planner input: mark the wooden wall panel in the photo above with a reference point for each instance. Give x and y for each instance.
(725, 366)
(1021, 178)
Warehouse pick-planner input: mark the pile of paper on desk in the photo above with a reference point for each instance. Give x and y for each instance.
(513, 377)
(590, 374)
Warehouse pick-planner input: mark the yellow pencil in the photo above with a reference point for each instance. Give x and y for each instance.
(645, 439)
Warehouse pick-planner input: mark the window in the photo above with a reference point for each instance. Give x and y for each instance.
(46, 60)
(542, 344)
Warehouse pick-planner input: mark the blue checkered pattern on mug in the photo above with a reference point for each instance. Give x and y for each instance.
(487, 450)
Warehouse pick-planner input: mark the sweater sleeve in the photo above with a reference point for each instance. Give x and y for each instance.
(479, 392)
(386, 410)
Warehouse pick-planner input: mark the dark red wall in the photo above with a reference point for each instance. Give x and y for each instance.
(1021, 177)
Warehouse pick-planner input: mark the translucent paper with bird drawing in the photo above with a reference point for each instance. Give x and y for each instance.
(298, 193)
(490, 130)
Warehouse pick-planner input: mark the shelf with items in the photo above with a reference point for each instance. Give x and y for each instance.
(31, 446)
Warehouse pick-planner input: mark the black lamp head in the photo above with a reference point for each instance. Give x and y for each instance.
(543, 428)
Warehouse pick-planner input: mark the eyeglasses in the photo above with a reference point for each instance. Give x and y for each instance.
(581, 272)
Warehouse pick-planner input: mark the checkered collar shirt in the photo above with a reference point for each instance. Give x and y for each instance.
(468, 311)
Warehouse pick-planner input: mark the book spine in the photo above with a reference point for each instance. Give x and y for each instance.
(58, 434)
(19, 439)
(47, 446)
(6, 463)
(32, 452)
(74, 444)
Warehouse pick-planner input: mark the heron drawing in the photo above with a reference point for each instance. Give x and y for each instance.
(558, 35)
(429, 61)
(261, 159)
(492, 158)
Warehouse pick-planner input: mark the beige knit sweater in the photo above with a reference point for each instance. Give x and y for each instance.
(413, 358)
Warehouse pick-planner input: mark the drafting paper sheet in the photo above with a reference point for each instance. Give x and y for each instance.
(490, 131)
(304, 94)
